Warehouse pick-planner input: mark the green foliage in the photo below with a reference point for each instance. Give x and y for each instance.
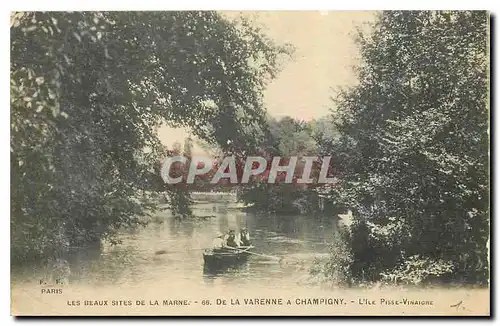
(88, 90)
(280, 198)
(292, 137)
(289, 137)
(416, 270)
(341, 259)
(336, 270)
(413, 150)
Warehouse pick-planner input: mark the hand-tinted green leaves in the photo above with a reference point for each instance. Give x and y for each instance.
(89, 88)
(414, 132)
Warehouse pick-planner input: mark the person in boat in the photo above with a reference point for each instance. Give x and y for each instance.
(231, 239)
(244, 238)
(218, 242)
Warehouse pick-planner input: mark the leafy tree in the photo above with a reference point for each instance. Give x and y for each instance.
(413, 150)
(294, 138)
(289, 137)
(88, 91)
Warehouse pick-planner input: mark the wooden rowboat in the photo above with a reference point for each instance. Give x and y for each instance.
(225, 257)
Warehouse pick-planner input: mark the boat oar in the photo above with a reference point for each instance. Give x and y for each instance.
(163, 251)
(256, 254)
(280, 259)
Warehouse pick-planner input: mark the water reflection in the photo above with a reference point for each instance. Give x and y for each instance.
(240, 268)
(170, 250)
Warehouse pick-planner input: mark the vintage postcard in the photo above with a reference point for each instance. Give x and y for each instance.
(267, 163)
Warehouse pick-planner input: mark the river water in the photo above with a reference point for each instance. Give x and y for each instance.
(163, 263)
(170, 250)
